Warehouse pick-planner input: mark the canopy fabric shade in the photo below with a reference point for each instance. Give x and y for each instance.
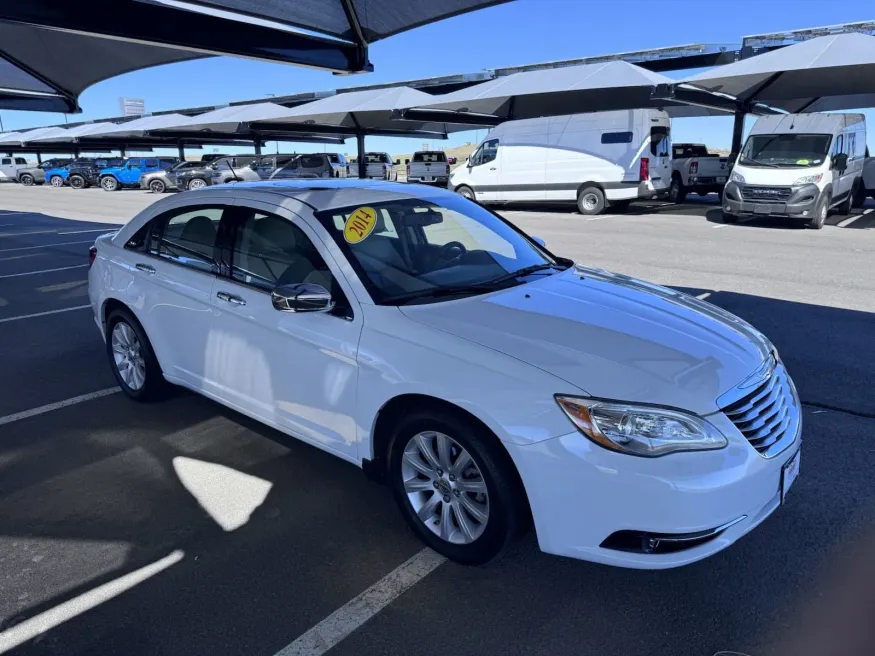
(557, 91)
(229, 119)
(825, 73)
(138, 127)
(74, 133)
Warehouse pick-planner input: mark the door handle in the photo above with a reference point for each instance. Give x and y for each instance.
(148, 268)
(230, 298)
(492, 168)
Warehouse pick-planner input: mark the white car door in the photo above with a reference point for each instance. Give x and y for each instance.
(295, 370)
(484, 173)
(174, 273)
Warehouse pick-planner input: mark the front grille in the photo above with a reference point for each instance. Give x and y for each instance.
(769, 415)
(766, 194)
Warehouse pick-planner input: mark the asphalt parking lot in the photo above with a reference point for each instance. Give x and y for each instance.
(185, 528)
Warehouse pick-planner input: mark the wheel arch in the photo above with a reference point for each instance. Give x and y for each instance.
(395, 408)
(590, 183)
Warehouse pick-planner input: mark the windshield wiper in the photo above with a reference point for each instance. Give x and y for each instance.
(759, 163)
(525, 271)
(436, 292)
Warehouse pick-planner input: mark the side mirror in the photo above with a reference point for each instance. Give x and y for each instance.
(840, 162)
(302, 297)
(540, 242)
(397, 162)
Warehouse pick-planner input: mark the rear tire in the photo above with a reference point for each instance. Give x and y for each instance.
(591, 201)
(157, 186)
(440, 494)
(196, 183)
(26, 180)
(676, 191)
(820, 212)
(132, 359)
(77, 182)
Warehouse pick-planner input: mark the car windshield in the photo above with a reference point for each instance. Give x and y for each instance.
(785, 150)
(418, 251)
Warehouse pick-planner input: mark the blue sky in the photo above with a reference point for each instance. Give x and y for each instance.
(522, 32)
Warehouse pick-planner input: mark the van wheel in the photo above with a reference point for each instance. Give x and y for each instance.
(676, 192)
(454, 486)
(466, 192)
(820, 212)
(591, 201)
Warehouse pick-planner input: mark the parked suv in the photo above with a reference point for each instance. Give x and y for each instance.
(317, 165)
(265, 165)
(82, 173)
(429, 167)
(114, 178)
(378, 166)
(339, 164)
(160, 181)
(36, 175)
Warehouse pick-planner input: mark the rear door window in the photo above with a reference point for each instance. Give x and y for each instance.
(660, 144)
(20, 160)
(616, 137)
(6, 161)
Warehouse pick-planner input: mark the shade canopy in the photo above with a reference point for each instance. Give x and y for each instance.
(229, 119)
(369, 112)
(138, 127)
(51, 51)
(554, 92)
(825, 73)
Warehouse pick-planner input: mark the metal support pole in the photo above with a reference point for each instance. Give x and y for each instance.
(122, 152)
(75, 152)
(39, 158)
(257, 147)
(360, 146)
(181, 152)
(737, 133)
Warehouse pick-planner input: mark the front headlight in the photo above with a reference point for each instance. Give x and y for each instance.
(737, 177)
(809, 179)
(640, 430)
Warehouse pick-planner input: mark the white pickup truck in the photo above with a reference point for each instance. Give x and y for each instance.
(429, 167)
(694, 169)
(378, 166)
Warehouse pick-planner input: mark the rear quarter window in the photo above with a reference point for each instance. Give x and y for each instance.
(616, 137)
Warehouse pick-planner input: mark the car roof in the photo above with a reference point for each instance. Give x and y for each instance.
(325, 194)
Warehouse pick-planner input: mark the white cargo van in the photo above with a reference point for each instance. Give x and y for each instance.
(595, 160)
(798, 165)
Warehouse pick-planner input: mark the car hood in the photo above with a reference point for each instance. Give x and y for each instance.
(611, 336)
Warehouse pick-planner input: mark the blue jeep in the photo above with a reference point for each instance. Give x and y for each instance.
(128, 175)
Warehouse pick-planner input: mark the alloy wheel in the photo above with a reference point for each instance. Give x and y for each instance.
(197, 183)
(57, 181)
(445, 487)
(109, 183)
(127, 353)
(156, 186)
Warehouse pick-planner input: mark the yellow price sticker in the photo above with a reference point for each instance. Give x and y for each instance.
(802, 162)
(360, 224)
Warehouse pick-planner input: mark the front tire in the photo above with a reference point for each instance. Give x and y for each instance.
(820, 212)
(26, 180)
(77, 182)
(109, 183)
(196, 183)
(56, 181)
(454, 485)
(466, 192)
(131, 357)
(591, 201)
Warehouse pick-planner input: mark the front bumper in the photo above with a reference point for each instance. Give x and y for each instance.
(799, 203)
(581, 494)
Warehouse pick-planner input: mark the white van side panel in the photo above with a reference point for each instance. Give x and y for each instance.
(521, 160)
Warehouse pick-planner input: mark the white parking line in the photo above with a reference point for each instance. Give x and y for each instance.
(42, 314)
(703, 295)
(356, 612)
(77, 232)
(33, 412)
(33, 273)
(848, 221)
(22, 234)
(29, 248)
(47, 620)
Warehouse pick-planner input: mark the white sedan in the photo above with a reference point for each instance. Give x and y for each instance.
(489, 382)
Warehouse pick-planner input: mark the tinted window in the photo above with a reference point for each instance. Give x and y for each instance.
(429, 157)
(660, 144)
(377, 158)
(20, 160)
(152, 163)
(270, 251)
(7, 160)
(188, 238)
(311, 161)
(689, 150)
(616, 137)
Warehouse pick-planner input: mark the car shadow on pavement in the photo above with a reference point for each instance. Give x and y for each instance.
(118, 487)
